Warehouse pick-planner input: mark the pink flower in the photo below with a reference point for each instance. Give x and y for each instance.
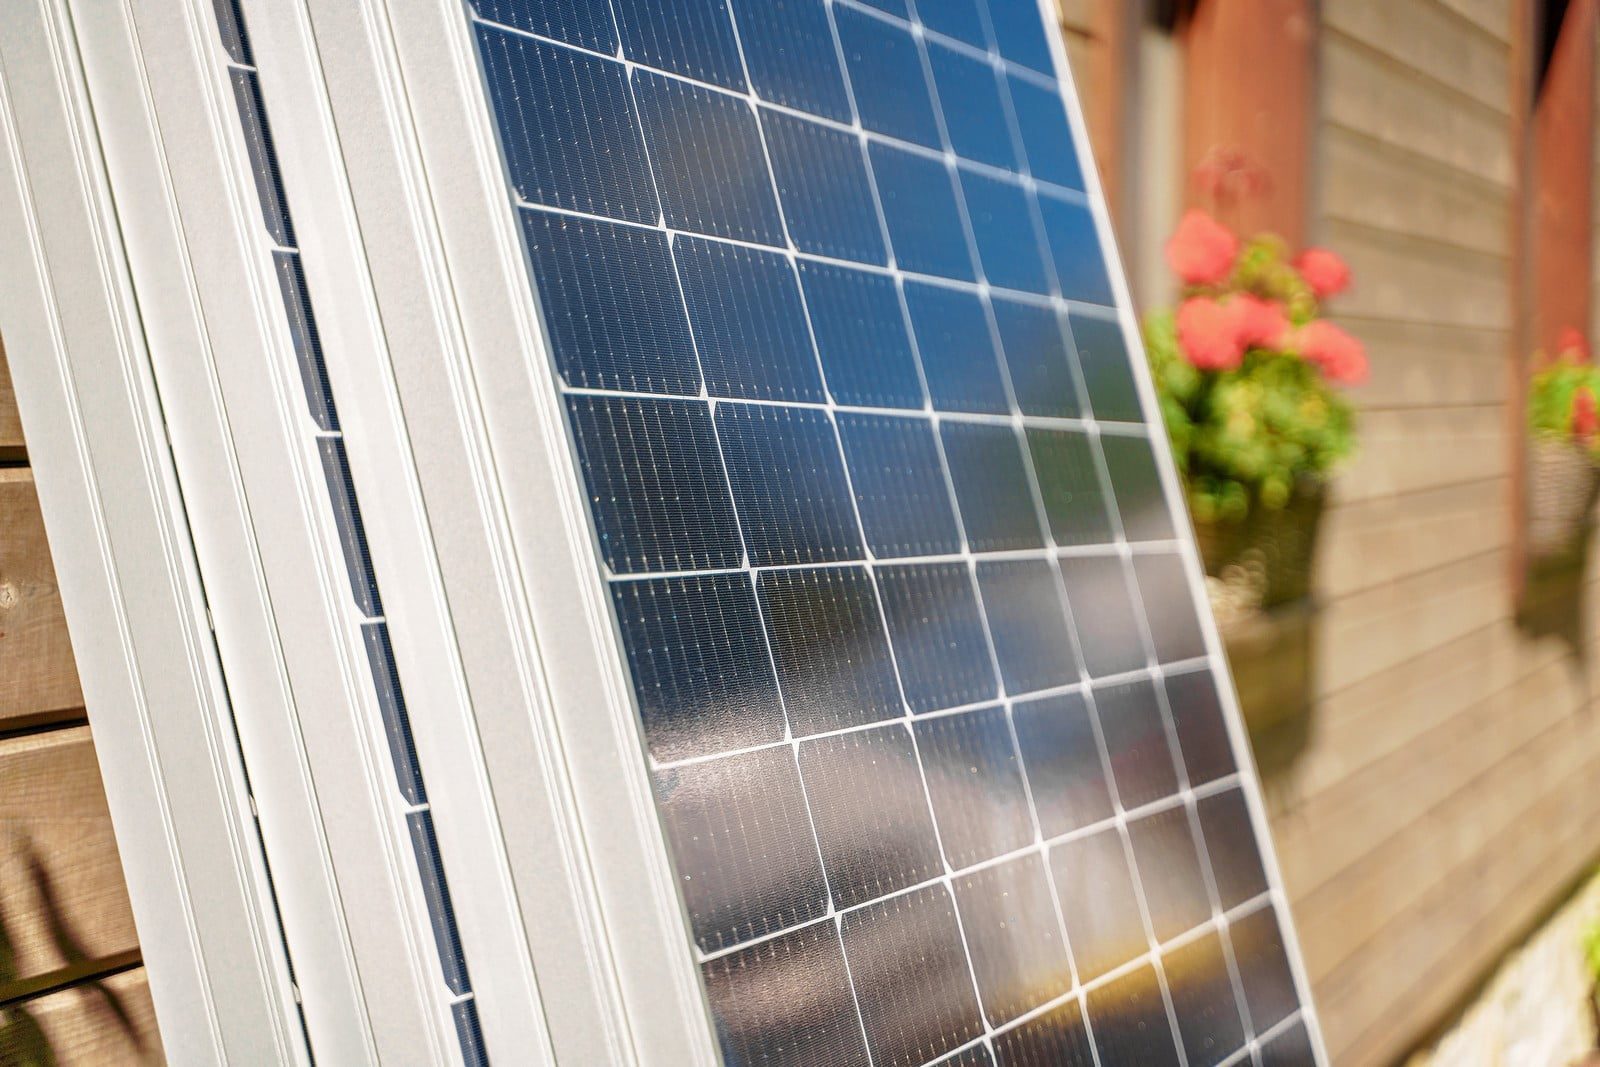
(1570, 341)
(1208, 333)
(1201, 250)
(1326, 272)
(1340, 357)
(1259, 323)
(1585, 417)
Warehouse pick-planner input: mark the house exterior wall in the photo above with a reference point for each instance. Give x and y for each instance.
(1446, 796)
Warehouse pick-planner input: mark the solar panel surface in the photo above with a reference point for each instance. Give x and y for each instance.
(934, 738)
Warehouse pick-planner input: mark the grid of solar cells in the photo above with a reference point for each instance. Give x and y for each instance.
(411, 794)
(934, 740)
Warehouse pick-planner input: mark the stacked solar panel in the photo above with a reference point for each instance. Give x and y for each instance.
(935, 741)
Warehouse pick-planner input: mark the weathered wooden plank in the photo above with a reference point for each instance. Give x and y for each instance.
(1408, 279)
(1404, 451)
(38, 678)
(1372, 94)
(62, 898)
(1421, 364)
(1377, 184)
(1372, 542)
(11, 447)
(1438, 945)
(1364, 634)
(1430, 39)
(1342, 918)
(1327, 833)
(110, 1022)
(1492, 16)
(1076, 16)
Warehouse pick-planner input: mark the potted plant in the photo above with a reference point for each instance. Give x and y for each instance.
(1563, 452)
(1249, 377)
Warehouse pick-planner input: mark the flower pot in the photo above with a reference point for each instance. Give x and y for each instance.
(1562, 485)
(1265, 559)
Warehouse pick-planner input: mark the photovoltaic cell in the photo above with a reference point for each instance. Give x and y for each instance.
(861, 337)
(869, 521)
(789, 485)
(936, 631)
(911, 976)
(612, 314)
(689, 37)
(821, 176)
(793, 61)
(705, 151)
(696, 646)
(900, 487)
(582, 150)
(826, 633)
(957, 351)
(1130, 1021)
(918, 195)
(1037, 357)
(969, 92)
(991, 484)
(749, 322)
(870, 811)
(885, 68)
(1009, 919)
(1002, 224)
(975, 783)
(1203, 1001)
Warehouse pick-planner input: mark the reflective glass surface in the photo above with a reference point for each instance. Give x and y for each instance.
(921, 680)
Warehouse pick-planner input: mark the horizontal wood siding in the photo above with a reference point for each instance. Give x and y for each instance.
(71, 982)
(1448, 792)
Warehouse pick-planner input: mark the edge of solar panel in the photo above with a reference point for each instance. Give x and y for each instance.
(299, 315)
(1106, 302)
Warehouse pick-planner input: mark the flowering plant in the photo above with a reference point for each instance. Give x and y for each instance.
(1247, 372)
(1562, 396)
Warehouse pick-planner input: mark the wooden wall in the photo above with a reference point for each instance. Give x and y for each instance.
(70, 974)
(1450, 790)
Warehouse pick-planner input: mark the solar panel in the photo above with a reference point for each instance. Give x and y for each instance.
(923, 693)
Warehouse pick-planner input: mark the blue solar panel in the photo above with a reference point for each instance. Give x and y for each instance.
(991, 483)
(956, 349)
(793, 61)
(919, 205)
(861, 337)
(919, 669)
(1002, 222)
(750, 328)
(900, 488)
(689, 37)
(611, 311)
(1037, 357)
(974, 113)
(937, 634)
(885, 68)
